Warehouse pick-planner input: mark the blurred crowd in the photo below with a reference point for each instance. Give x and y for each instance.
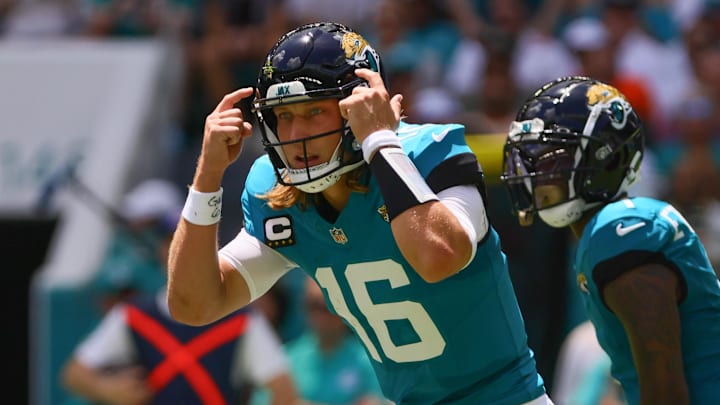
(470, 61)
(467, 61)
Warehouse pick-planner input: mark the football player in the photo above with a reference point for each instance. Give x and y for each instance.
(387, 217)
(648, 287)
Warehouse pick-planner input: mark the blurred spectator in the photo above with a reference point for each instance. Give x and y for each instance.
(433, 37)
(526, 29)
(274, 305)
(389, 28)
(149, 215)
(685, 13)
(640, 54)
(696, 191)
(128, 358)
(589, 40)
(693, 163)
(696, 122)
(171, 27)
(417, 40)
(328, 364)
(708, 75)
(695, 133)
(434, 104)
(233, 38)
(703, 33)
(283, 305)
(495, 106)
(133, 355)
(538, 55)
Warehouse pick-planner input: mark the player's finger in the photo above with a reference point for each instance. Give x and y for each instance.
(246, 129)
(233, 138)
(344, 105)
(396, 104)
(226, 134)
(229, 121)
(373, 78)
(233, 112)
(230, 99)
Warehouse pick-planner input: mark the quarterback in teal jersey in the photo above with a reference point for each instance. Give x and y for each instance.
(387, 217)
(648, 286)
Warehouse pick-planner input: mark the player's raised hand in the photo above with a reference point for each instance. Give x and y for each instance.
(225, 129)
(369, 109)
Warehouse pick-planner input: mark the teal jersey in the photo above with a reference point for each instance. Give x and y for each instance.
(458, 341)
(631, 232)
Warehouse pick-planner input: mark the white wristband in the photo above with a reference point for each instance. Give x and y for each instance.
(203, 208)
(377, 140)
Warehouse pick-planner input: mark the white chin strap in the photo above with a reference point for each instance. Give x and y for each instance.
(563, 214)
(321, 180)
(324, 182)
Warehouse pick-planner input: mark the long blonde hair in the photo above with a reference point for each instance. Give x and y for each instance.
(282, 196)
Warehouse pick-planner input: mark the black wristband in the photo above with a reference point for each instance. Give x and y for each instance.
(400, 183)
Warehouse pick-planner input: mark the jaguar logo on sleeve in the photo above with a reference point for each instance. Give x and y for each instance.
(279, 232)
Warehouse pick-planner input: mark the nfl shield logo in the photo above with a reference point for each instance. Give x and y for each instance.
(338, 236)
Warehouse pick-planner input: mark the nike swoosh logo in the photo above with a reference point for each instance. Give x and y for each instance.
(622, 231)
(438, 137)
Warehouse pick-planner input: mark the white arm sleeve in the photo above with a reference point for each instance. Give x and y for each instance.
(109, 344)
(260, 265)
(261, 355)
(466, 203)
